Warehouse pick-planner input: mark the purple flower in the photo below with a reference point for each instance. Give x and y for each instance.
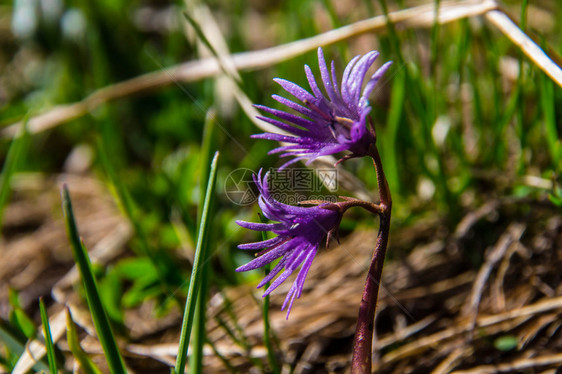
(299, 233)
(327, 125)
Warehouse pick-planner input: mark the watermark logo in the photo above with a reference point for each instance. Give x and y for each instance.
(239, 187)
(288, 186)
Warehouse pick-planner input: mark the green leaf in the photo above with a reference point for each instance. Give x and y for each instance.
(556, 200)
(136, 268)
(99, 315)
(111, 293)
(141, 290)
(19, 318)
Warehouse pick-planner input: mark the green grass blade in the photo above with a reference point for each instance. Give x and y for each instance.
(48, 338)
(86, 364)
(223, 359)
(12, 157)
(195, 280)
(207, 155)
(434, 44)
(19, 318)
(99, 316)
(520, 115)
(390, 140)
(229, 331)
(198, 339)
(549, 113)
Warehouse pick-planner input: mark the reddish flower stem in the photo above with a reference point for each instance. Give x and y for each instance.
(362, 346)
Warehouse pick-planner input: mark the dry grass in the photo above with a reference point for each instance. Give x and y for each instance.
(437, 312)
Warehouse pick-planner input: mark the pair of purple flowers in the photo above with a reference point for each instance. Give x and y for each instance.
(326, 126)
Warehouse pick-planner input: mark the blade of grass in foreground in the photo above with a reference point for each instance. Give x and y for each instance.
(86, 364)
(99, 316)
(9, 168)
(48, 338)
(195, 280)
(198, 339)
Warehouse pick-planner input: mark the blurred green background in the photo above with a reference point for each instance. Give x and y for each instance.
(462, 116)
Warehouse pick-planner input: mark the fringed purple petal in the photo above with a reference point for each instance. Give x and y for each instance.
(335, 81)
(284, 126)
(296, 107)
(270, 256)
(347, 71)
(263, 244)
(307, 263)
(326, 80)
(291, 148)
(278, 281)
(296, 289)
(290, 298)
(329, 150)
(372, 83)
(295, 90)
(358, 74)
(273, 273)
(277, 137)
(296, 258)
(303, 122)
(312, 82)
(292, 161)
(256, 226)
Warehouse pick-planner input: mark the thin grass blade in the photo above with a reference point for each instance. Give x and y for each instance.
(195, 281)
(99, 315)
(223, 359)
(12, 157)
(48, 338)
(207, 155)
(18, 316)
(390, 142)
(198, 339)
(86, 364)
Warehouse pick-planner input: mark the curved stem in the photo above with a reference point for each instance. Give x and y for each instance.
(362, 346)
